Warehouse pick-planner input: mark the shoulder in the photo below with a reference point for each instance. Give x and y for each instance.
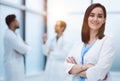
(8, 34)
(107, 41)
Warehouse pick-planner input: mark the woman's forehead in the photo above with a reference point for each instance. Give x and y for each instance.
(97, 10)
(58, 23)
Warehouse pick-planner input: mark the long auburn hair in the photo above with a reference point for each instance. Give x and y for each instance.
(85, 28)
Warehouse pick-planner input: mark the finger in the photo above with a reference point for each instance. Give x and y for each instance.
(89, 65)
(78, 74)
(84, 67)
(73, 60)
(68, 60)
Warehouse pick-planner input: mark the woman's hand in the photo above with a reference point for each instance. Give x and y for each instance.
(44, 38)
(85, 67)
(89, 65)
(71, 60)
(82, 74)
(77, 67)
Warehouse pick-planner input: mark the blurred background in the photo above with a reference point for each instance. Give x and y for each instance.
(37, 17)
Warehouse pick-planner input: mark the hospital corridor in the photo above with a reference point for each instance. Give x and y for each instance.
(39, 40)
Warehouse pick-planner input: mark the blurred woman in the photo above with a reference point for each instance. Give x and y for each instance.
(56, 49)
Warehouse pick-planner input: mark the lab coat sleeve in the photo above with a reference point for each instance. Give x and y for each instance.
(99, 71)
(68, 66)
(46, 47)
(18, 46)
(62, 53)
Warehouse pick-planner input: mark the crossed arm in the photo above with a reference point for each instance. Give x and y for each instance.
(78, 69)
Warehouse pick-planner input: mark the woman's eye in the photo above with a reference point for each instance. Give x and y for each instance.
(91, 15)
(100, 16)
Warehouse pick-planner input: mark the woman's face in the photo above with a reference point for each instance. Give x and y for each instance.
(96, 19)
(58, 27)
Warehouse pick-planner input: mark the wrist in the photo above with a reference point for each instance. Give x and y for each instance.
(80, 68)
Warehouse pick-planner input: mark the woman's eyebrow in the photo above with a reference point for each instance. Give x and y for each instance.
(92, 13)
(100, 13)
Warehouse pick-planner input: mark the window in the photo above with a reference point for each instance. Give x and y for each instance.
(5, 10)
(30, 17)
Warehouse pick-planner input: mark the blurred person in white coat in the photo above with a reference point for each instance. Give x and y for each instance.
(14, 48)
(56, 49)
(92, 60)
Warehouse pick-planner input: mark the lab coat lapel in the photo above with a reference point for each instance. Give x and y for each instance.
(60, 42)
(93, 53)
(77, 53)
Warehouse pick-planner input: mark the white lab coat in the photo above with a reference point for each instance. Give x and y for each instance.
(55, 63)
(101, 54)
(14, 48)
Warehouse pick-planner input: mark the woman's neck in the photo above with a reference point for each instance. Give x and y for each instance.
(93, 37)
(59, 34)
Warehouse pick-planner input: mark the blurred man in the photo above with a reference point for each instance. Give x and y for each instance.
(14, 48)
(56, 48)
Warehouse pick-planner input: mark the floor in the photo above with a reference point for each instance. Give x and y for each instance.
(40, 77)
(115, 77)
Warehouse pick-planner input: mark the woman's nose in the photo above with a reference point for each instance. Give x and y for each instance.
(95, 18)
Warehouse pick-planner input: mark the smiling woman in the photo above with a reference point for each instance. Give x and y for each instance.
(97, 50)
(30, 15)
